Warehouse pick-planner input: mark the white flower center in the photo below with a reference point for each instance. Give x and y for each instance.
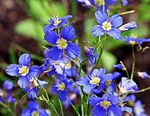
(23, 70)
(106, 26)
(61, 86)
(56, 20)
(105, 104)
(94, 80)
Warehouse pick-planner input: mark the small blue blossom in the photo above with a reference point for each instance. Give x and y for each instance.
(124, 2)
(62, 44)
(128, 26)
(24, 70)
(107, 26)
(138, 109)
(5, 95)
(133, 40)
(143, 75)
(89, 52)
(61, 87)
(56, 22)
(105, 105)
(96, 81)
(127, 85)
(34, 110)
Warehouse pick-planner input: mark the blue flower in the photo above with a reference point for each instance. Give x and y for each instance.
(128, 26)
(23, 70)
(143, 75)
(127, 85)
(5, 95)
(120, 66)
(34, 110)
(105, 105)
(138, 109)
(89, 52)
(133, 40)
(62, 44)
(107, 26)
(61, 87)
(96, 81)
(56, 22)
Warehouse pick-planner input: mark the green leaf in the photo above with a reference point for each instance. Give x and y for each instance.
(30, 28)
(108, 60)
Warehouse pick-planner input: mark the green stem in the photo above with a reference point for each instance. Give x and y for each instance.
(75, 109)
(61, 107)
(47, 98)
(125, 69)
(133, 64)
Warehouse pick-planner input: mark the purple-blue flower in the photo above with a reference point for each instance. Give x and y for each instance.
(23, 70)
(34, 110)
(106, 105)
(61, 87)
(56, 22)
(96, 81)
(128, 26)
(107, 26)
(127, 85)
(5, 95)
(133, 40)
(61, 43)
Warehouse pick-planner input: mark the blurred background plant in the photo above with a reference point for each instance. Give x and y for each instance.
(21, 30)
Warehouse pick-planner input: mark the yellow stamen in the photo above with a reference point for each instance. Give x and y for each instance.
(23, 70)
(94, 80)
(34, 113)
(68, 65)
(105, 104)
(99, 2)
(61, 43)
(132, 42)
(56, 20)
(61, 86)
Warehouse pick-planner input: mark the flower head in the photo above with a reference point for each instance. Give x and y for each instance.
(107, 26)
(105, 105)
(62, 44)
(33, 110)
(23, 70)
(56, 22)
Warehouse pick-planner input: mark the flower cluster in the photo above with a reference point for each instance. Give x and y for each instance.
(62, 65)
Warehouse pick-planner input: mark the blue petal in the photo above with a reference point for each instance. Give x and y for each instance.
(93, 100)
(32, 93)
(72, 50)
(43, 112)
(124, 2)
(88, 88)
(62, 96)
(23, 82)
(54, 53)
(68, 33)
(98, 111)
(100, 17)
(97, 31)
(64, 20)
(32, 105)
(115, 33)
(114, 109)
(24, 60)
(8, 85)
(48, 27)
(116, 20)
(34, 71)
(51, 37)
(12, 70)
(82, 81)
(25, 112)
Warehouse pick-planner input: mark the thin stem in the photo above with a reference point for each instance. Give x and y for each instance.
(75, 109)
(133, 64)
(61, 107)
(125, 69)
(47, 98)
(127, 12)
